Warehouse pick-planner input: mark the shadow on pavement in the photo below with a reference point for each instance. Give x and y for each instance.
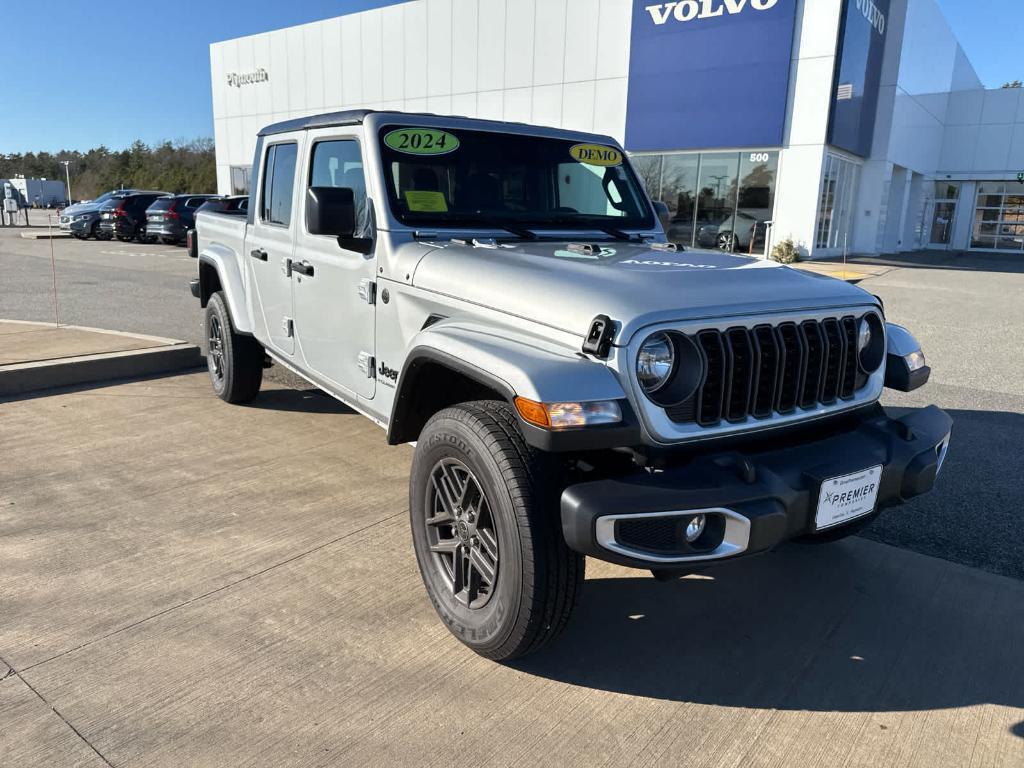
(842, 627)
(974, 514)
(304, 400)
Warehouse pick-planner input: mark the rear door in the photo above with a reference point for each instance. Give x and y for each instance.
(334, 313)
(268, 244)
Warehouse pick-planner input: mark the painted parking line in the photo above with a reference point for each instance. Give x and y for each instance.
(161, 254)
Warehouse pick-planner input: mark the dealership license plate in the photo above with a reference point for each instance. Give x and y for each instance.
(847, 497)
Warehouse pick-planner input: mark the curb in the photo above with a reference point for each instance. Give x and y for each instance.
(24, 378)
(45, 235)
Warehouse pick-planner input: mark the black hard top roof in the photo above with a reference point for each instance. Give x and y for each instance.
(328, 120)
(357, 116)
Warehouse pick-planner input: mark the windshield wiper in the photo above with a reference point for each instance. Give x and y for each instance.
(574, 221)
(483, 223)
(618, 234)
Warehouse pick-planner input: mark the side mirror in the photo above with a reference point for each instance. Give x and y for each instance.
(661, 210)
(331, 211)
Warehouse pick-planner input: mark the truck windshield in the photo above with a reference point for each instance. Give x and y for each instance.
(470, 178)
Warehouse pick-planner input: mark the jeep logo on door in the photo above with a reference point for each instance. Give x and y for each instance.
(687, 10)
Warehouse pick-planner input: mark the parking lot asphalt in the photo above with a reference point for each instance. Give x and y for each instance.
(132, 287)
(968, 314)
(190, 583)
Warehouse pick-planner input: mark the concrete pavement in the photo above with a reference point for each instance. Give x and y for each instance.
(190, 583)
(41, 356)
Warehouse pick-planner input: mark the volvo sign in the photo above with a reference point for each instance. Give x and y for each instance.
(687, 10)
(855, 89)
(708, 73)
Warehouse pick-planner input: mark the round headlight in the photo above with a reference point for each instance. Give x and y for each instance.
(870, 343)
(655, 362)
(863, 335)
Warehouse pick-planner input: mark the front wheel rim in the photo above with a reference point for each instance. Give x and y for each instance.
(461, 533)
(216, 349)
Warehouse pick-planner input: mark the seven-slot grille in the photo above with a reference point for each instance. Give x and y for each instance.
(770, 369)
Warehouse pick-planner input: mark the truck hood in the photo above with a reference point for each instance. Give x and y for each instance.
(634, 284)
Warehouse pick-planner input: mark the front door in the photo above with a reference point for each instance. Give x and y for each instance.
(334, 313)
(269, 247)
(941, 224)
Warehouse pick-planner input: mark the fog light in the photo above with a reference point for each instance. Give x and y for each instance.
(695, 528)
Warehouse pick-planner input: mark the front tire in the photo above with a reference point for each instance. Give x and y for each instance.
(486, 528)
(235, 362)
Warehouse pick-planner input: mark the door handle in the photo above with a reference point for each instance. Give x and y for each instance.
(303, 268)
(258, 253)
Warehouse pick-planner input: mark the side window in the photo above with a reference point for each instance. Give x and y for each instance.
(278, 184)
(340, 164)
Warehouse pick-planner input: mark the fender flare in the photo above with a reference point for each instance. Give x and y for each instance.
(511, 363)
(225, 262)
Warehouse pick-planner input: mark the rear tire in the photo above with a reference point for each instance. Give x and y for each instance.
(491, 553)
(235, 362)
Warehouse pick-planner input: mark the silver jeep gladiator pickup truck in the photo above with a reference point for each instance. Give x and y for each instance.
(503, 296)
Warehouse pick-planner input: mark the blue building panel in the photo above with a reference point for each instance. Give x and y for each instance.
(709, 73)
(858, 75)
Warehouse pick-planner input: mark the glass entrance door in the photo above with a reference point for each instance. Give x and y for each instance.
(942, 223)
(943, 211)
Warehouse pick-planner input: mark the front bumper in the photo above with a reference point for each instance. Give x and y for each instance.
(752, 500)
(80, 227)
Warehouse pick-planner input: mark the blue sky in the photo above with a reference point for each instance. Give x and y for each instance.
(991, 33)
(90, 73)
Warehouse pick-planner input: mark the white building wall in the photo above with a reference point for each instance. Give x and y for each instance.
(798, 187)
(536, 61)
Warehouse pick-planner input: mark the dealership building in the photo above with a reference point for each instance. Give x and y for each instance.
(853, 126)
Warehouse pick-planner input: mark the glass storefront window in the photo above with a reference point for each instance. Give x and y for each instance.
(239, 180)
(716, 225)
(679, 191)
(758, 173)
(835, 209)
(648, 170)
(715, 199)
(999, 217)
(947, 190)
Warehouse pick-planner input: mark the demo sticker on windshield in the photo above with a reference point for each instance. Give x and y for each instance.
(596, 154)
(421, 141)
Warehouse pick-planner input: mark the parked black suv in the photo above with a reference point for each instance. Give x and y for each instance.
(125, 217)
(169, 219)
(235, 204)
